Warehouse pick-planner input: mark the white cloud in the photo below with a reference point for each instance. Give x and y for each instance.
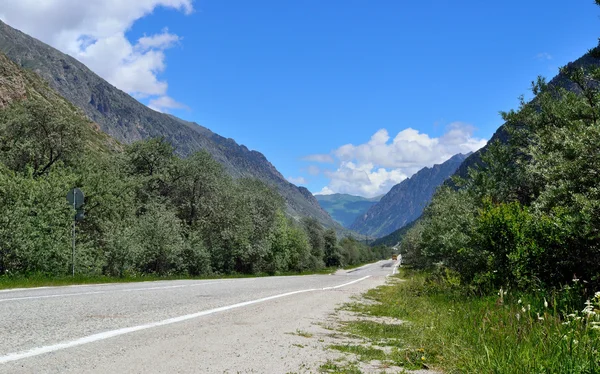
(322, 158)
(163, 103)
(372, 168)
(325, 191)
(297, 180)
(94, 33)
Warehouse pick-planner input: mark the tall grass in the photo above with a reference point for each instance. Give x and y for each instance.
(503, 333)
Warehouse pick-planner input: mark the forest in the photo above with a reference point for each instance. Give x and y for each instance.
(146, 211)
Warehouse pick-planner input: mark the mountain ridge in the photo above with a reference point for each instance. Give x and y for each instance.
(127, 120)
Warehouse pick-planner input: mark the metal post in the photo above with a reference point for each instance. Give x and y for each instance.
(74, 221)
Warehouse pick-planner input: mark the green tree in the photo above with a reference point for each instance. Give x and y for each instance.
(38, 135)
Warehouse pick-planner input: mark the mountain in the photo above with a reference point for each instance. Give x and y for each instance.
(18, 85)
(405, 201)
(127, 120)
(345, 208)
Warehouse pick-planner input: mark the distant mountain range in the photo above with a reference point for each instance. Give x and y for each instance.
(405, 201)
(127, 120)
(346, 208)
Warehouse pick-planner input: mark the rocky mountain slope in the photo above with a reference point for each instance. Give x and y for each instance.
(127, 120)
(405, 201)
(345, 208)
(17, 85)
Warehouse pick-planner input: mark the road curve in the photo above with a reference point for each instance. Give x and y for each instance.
(223, 325)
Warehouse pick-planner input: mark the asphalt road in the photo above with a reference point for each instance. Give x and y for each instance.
(228, 325)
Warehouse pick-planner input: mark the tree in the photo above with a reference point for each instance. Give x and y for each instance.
(314, 231)
(331, 250)
(38, 135)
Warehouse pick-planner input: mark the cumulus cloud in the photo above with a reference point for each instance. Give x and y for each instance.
(94, 33)
(297, 180)
(322, 158)
(325, 191)
(373, 168)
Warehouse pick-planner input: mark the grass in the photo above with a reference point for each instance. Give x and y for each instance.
(365, 354)
(456, 333)
(304, 334)
(40, 280)
(339, 368)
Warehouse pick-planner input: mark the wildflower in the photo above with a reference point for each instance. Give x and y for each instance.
(519, 302)
(589, 309)
(540, 318)
(518, 317)
(528, 307)
(523, 310)
(575, 279)
(597, 295)
(422, 358)
(545, 303)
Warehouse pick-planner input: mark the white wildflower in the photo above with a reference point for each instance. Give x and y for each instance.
(545, 303)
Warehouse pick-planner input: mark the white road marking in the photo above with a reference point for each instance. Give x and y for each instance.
(23, 289)
(345, 284)
(105, 292)
(110, 334)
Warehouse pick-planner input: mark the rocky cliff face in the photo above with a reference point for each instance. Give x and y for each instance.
(405, 201)
(12, 83)
(127, 120)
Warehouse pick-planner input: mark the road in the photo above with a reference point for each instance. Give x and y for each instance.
(186, 326)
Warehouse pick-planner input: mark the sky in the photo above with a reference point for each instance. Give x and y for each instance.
(348, 96)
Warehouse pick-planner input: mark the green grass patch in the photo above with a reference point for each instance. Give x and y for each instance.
(339, 368)
(364, 353)
(457, 333)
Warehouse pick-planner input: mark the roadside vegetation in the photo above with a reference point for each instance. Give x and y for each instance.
(444, 327)
(148, 213)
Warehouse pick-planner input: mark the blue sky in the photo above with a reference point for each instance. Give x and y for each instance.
(298, 78)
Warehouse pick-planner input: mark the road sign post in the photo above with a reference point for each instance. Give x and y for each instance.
(75, 198)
